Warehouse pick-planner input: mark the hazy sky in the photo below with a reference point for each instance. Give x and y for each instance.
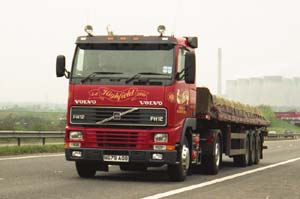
(258, 37)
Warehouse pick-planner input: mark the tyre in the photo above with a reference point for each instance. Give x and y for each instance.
(258, 152)
(211, 163)
(252, 150)
(86, 169)
(243, 160)
(178, 172)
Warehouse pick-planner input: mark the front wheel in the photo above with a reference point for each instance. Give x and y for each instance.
(211, 163)
(179, 171)
(86, 169)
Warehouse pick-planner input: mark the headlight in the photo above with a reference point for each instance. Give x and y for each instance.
(76, 135)
(160, 137)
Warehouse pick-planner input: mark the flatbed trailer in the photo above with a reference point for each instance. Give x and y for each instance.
(239, 128)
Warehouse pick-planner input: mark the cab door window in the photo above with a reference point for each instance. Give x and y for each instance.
(181, 59)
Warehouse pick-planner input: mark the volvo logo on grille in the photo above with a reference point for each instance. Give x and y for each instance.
(117, 115)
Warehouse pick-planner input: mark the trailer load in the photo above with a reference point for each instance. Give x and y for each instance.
(223, 109)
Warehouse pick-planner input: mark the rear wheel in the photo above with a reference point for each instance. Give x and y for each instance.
(258, 152)
(86, 169)
(178, 172)
(211, 163)
(243, 160)
(252, 150)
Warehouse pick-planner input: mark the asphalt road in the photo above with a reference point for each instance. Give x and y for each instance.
(53, 177)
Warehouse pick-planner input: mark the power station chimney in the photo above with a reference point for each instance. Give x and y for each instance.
(219, 87)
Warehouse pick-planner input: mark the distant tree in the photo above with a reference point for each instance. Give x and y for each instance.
(32, 121)
(267, 112)
(8, 123)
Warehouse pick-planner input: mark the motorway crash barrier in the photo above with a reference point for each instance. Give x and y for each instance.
(61, 134)
(31, 134)
(283, 136)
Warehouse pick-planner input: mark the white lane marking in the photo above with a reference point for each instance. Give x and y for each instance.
(204, 184)
(33, 156)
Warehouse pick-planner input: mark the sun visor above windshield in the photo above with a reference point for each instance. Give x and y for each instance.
(125, 39)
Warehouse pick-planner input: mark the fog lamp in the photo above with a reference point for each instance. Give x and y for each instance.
(157, 156)
(75, 144)
(77, 154)
(159, 147)
(89, 30)
(161, 29)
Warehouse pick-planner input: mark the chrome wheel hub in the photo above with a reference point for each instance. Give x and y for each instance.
(185, 157)
(217, 154)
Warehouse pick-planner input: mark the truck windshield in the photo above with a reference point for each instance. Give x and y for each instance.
(116, 63)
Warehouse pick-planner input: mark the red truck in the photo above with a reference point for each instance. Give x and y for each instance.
(133, 102)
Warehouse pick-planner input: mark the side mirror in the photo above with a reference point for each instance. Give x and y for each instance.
(190, 67)
(193, 42)
(60, 65)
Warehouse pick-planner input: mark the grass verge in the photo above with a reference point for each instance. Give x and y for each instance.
(276, 124)
(30, 149)
(281, 126)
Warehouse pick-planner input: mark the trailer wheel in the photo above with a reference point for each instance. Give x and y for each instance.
(211, 163)
(258, 152)
(178, 172)
(253, 150)
(243, 160)
(86, 169)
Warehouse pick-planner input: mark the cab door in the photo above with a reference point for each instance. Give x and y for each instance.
(182, 89)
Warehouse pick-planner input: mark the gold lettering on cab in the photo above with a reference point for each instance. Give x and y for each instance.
(118, 96)
(183, 97)
(171, 97)
(181, 109)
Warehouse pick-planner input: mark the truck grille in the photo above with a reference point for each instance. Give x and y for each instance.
(122, 116)
(120, 140)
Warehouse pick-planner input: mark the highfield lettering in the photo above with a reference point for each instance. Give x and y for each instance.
(118, 96)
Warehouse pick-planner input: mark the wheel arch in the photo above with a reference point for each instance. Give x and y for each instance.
(187, 130)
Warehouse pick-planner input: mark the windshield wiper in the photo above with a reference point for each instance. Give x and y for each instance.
(94, 74)
(138, 75)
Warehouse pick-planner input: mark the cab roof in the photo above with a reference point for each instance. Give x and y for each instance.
(138, 39)
(126, 39)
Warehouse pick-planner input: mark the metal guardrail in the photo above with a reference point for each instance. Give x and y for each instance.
(32, 134)
(61, 134)
(283, 136)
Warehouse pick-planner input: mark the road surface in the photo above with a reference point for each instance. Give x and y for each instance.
(41, 176)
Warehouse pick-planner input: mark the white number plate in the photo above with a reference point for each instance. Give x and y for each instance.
(116, 158)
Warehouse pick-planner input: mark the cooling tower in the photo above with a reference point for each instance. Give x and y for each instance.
(269, 90)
